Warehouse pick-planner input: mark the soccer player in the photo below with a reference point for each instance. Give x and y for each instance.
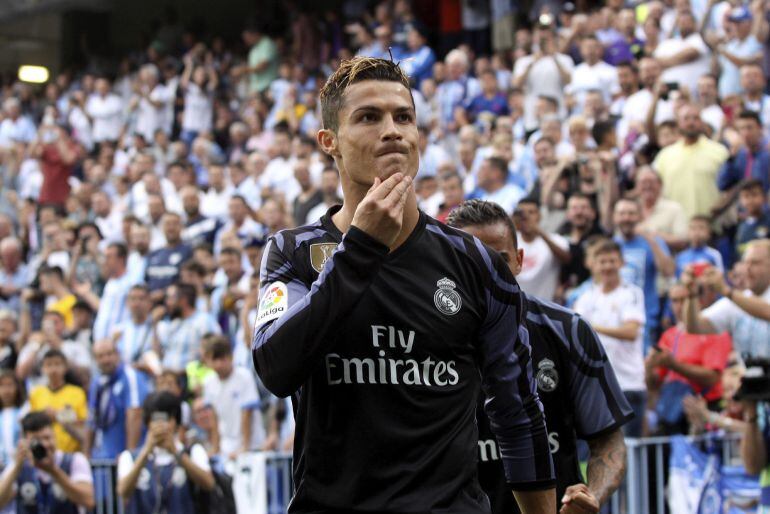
(384, 325)
(575, 381)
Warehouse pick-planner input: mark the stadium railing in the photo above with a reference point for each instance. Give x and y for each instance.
(643, 491)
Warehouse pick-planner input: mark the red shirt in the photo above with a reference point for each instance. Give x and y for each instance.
(56, 174)
(706, 350)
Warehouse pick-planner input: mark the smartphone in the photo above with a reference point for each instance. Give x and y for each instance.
(159, 416)
(672, 86)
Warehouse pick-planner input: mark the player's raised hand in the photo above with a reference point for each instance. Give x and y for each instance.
(380, 214)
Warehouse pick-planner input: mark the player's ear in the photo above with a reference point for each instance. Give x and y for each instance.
(327, 140)
(519, 260)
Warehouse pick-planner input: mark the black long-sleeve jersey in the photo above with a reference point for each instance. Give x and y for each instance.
(579, 391)
(385, 355)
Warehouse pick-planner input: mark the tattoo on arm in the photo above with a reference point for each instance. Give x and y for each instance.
(607, 464)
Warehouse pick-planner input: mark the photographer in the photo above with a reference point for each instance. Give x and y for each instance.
(756, 437)
(43, 478)
(160, 477)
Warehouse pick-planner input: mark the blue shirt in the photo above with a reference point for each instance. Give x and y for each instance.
(703, 255)
(452, 93)
(729, 78)
(417, 64)
(180, 338)
(751, 229)
(109, 397)
(497, 105)
(639, 269)
(734, 169)
(163, 265)
(135, 339)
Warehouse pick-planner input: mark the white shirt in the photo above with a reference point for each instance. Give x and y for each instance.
(107, 115)
(601, 76)
(686, 74)
(543, 79)
(750, 335)
(230, 397)
(214, 203)
(625, 303)
(150, 118)
(112, 306)
(540, 268)
(506, 197)
(198, 109)
(431, 160)
(714, 116)
(279, 176)
(635, 111)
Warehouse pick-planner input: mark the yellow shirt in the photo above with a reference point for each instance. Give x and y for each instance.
(689, 174)
(69, 397)
(64, 307)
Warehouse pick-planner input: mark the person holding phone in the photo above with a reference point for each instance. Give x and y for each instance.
(160, 476)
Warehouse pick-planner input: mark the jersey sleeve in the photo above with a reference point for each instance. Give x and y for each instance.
(512, 405)
(600, 405)
(295, 323)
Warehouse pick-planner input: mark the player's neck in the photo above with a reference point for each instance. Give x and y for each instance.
(342, 219)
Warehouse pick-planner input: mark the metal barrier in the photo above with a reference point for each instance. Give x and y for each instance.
(642, 492)
(645, 493)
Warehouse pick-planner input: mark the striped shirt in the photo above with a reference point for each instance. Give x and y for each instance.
(10, 432)
(180, 338)
(112, 305)
(135, 339)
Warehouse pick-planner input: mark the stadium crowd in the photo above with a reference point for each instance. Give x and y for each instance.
(628, 141)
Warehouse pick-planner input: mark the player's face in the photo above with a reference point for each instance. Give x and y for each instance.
(377, 134)
(498, 237)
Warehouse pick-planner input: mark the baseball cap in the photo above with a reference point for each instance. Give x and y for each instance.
(740, 14)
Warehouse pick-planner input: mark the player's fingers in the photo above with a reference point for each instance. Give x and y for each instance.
(583, 501)
(397, 196)
(384, 189)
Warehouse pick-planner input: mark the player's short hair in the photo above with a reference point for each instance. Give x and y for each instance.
(481, 213)
(52, 270)
(351, 71)
(187, 291)
(753, 184)
(121, 249)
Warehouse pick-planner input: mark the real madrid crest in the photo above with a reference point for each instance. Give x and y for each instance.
(547, 377)
(446, 298)
(320, 253)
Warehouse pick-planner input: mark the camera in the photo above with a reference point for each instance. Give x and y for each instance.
(37, 450)
(755, 384)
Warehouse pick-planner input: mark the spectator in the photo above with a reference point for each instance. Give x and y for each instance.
(593, 74)
(493, 185)
(177, 338)
(150, 103)
(15, 126)
(115, 399)
(13, 407)
(199, 229)
(544, 73)
(615, 310)
(755, 443)
(204, 430)
(580, 226)
(661, 217)
(684, 57)
(644, 256)
(309, 197)
(8, 343)
(51, 337)
(752, 159)
(544, 253)
(452, 194)
(742, 49)
(330, 185)
(736, 313)
(754, 97)
(163, 264)
(64, 403)
(417, 58)
(58, 155)
(756, 223)
(241, 224)
(684, 364)
(159, 458)
(708, 100)
(233, 393)
(58, 297)
(199, 81)
(698, 254)
(110, 308)
(491, 100)
(432, 156)
(458, 88)
(262, 67)
(689, 167)
(638, 104)
(225, 297)
(105, 111)
(40, 464)
(13, 273)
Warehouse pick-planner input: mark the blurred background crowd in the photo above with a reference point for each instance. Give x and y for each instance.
(628, 141)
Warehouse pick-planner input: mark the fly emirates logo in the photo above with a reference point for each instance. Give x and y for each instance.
(388, 370)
